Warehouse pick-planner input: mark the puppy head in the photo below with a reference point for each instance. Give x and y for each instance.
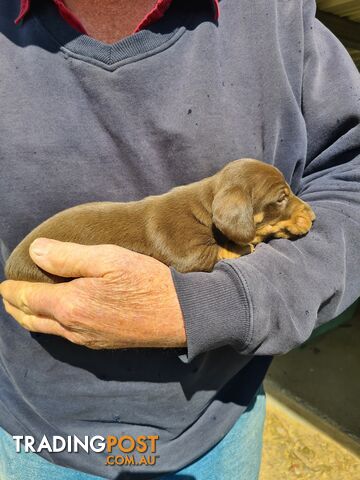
(252, 201)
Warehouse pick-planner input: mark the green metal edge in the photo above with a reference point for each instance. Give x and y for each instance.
(340, 319)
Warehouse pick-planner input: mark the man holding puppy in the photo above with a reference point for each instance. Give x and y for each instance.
(116, 101)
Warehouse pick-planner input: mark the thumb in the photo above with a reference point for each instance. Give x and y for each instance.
(66, 259)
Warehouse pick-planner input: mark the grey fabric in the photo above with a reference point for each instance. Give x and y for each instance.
(81, 121)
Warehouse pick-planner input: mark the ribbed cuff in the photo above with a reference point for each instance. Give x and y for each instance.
(216, 309)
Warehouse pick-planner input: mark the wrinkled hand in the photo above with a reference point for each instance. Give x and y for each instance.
(122, 299)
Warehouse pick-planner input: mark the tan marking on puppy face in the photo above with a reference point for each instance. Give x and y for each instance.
(295, 220)
(258, 218)
(253, 202)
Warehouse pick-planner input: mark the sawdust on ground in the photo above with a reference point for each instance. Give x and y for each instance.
(294, 450)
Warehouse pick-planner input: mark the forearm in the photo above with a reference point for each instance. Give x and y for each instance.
(270, 301)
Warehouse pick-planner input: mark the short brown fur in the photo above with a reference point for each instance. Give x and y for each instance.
(190, 227)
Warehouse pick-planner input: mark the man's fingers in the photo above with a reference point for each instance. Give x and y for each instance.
(73, 260)
(33, 298)
(34, 323)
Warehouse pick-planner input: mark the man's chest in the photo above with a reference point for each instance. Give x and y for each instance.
(72, 132)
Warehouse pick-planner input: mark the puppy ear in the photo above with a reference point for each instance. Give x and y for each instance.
(233, 215)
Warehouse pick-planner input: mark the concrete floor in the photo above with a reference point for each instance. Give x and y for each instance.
(313, 418)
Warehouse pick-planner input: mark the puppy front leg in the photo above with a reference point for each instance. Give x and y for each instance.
(235, 251)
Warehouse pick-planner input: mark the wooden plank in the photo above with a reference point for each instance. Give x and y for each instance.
(341, 8)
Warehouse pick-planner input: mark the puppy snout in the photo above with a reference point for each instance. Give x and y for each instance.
(300, 205)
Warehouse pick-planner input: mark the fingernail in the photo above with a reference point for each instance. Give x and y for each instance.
(40, 246)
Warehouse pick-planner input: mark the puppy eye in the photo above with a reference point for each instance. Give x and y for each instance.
(281, 199)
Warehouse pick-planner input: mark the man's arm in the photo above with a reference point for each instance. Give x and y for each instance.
(269, 302)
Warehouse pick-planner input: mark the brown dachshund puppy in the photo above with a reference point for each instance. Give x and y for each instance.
(190, 228)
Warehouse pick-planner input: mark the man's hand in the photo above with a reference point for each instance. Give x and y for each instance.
(122, 299)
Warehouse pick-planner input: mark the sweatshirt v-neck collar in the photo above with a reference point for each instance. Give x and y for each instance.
(141, 44)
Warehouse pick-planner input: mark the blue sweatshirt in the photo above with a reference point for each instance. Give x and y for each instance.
(85, 121)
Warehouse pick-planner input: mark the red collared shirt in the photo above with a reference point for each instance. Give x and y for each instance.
(155, 14)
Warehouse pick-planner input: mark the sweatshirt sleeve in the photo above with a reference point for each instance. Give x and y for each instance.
(270, 301)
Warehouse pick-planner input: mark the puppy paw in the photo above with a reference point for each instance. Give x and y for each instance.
(224, 254)
(236, 251)
(301, 221)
